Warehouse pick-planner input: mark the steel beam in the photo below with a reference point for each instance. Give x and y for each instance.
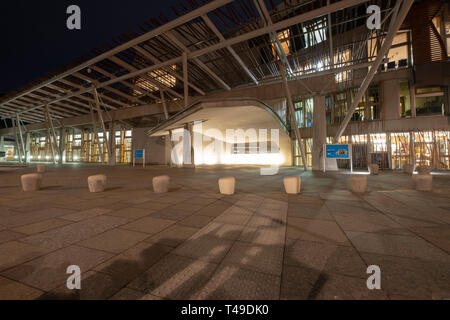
(102, 123)
(155, 60)
(292, 114)
(55, 140)
(216, 31)
(197, 61)
(94, 126)
(49, 139)
(149, 35)
(229, 42)
(185, 79)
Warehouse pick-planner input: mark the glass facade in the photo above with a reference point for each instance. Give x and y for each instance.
(83, 147)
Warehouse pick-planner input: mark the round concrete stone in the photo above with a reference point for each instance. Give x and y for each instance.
(423, 182)
(358, 183)
(31, 182)
(41, 168)
(408, 168)
(423, 170)
(97, 183)
(374, 168)
(161, 184)
(226, 185)
(292, 184)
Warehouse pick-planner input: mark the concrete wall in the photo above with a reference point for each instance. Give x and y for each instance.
(391, 99)
(155, 147)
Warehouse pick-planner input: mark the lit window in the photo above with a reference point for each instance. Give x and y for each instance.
(159, 75)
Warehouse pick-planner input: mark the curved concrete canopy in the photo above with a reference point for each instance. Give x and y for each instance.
(245, 113)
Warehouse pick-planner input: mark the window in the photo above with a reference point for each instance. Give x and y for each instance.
(374, 107)
(284, 40)
(400, 149)
(405, 99)
(315, 32)
(429, 101)
(307, 145)
(443, 149)
(340, 107)
(358, 115)
(304, 112)
(398, 54)
(329, 109)
(160, 76)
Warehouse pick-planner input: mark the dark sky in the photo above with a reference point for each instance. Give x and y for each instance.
(35, 40)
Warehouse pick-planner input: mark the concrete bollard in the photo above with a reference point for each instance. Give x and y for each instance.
(226, 185)
(161, 184)
(31, 182)
(97, 183)
(408, 168)
(423, 182)
(358, 183)
(292, 184)
(423, 170)
(374, 168)
(41, 168)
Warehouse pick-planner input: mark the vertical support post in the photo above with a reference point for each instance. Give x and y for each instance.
(23, 156)
(330, 35)
(112, 144)
(389, 148)
(49, 138)
(292, 114)
(319, 132)
(19, 152)
(102, 123)
(412, 155)
(164, 104)
(94, 126)
(55, 141)
(185, 79)
(412, 95)
(350, 147)
(62, 145)
(188, 153)
(368, 157)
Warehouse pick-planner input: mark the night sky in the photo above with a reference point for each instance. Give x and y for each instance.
(35, 39)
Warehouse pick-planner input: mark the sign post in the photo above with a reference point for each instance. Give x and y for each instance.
(337, 151)
(139, 154)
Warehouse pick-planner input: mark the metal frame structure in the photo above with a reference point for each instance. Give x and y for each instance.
(234, 43)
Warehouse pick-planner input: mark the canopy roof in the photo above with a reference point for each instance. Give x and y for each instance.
(212, 46)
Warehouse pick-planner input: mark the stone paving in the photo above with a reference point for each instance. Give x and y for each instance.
(193, 243)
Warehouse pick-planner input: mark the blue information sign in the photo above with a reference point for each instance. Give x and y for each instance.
(337, 151)
(139, 154)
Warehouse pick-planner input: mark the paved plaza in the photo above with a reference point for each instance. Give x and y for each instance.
(193, 243)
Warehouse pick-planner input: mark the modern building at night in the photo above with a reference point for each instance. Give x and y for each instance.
(210, 98)
(401, 118)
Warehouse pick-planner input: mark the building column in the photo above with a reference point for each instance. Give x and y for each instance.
(319, 132)
(188, 146)
(389, 149)
(412, 156)
(62, 146)
(27, 147)
(412, 99)
(112, 144)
